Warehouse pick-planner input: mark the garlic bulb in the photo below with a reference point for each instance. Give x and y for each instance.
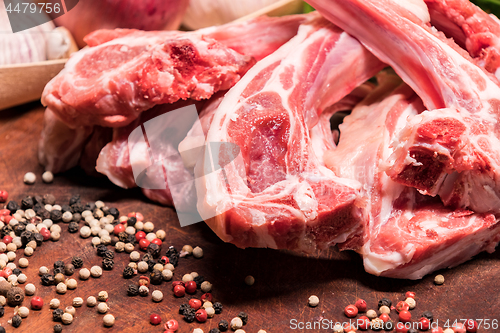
(205, 13)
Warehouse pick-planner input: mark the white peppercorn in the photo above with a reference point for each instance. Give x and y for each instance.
(197, 330)
(439, 280)
(77, 302)
(194, 274)
(67, 217)
(139, 226)
(108, 320)
(148, 227)
(170, 267)
(55, 236)
(158, 267)
(130, 230)
(12, 279)
(161, 234)
(43, 270)
(86, 213)
(102, 296)
(249, 280)
(48, 207)
(262, 331)
(54, 303)
(67, 318)
(56, 207)
(96, 241)
(70, 309)
(206, 286)
(210, 312)
(150, 236)
(17, 242)
(133, 265)
(28, 251)
(135, 256)
(4, 257)
(207, 304)
(29, 289)
(91, 301)
(33, 228)
(236, 323)
(384, 309)
(11, 247)
(23, 263)
(29, 178)
(157, 296)
(198, 252)
(95, 230)
(3, 247)
(167, 274)
(3, 300)
(102, 307)
(99, 204)
(411, 302)
(119, 246)
(142, 266)
(371, 314)
(129, 247)
(85, 232)
(143, 290)
(23, 311)
(11, 265)
(239, 331)
(48, 177)
(449, 330)
(2, 264)
(96, 271)
(21, 278)
(313, 300)
(71, 284)
(84, 274)
(187, 278)
(109, 228)
(61, 288)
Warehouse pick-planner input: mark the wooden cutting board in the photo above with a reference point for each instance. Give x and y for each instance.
(284, 280)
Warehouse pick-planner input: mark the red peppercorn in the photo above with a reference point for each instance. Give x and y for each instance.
(36, 303)
(201, 315)
(458, 328)
(165, 259)
(45, 234)
(172, 325)
(119, 228)
(138, 216)
(4, 212)
(144, 243)
(206, 297)
(351, 311)
(190, 287)
(7, 218)
(361, 305)
(177, 283)
(402, 306)
(437, 330)
(157, 241)
(405, 316)
(140, 235)
(3, 196)
(7, 239)
(6, 272)
(144, 281)
(348, 327)
(363, 323)
(401, 328)
(471, 326)
(410, 294)
(194, 303)
(385, 317)
(179, 291)
(155, 319)
(424, 324)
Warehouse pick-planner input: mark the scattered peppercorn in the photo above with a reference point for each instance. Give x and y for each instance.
(47, 280)
(77, 262)
(363, 322)
(128, 272)
(16, 321)
(189, 315)
(57, 314)
(73, 227)
(155, 319)
(428, 315)
(57, 328)
(172, 255)
(405, 316)
(214, 330)
(371, 314)
(108, 264)
(439, 280)
(143, 291)
(199, 280)
(15, 296)
(69, 269)
(244, 317)
(133, 290)
(217, 307)
(223, 325)
(236, 323)
(3, 196)
(384, 301)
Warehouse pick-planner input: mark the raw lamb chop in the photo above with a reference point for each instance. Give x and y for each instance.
(271, 190)
(409, 235)
(451, 151)
(128, 71)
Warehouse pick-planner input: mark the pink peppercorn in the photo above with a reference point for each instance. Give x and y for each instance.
(118, 228)
(206, 297)
(179, 291)
(471, 326)
(363, 323)
(351, 311)
(401, 328)
(402, 306)
(3, 196)
(155, 319)
(437, 330)
(4, 212)
(410, 294)
(36, 303)
(361, 305)
(201, 315)
(140, 235)
(424, 323)
(385, 317)
(45, 234)
(458, 328)
(7, 239)
(405, 316)
(195, 303)
(157, 241)
(172, 325)
(143, 244)
(191, 287)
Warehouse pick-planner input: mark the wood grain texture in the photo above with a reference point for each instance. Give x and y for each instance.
(284, 280)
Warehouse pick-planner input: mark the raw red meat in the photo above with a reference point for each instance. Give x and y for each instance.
(409, 235)
(260, 183)
(450, 151)
(130, 71)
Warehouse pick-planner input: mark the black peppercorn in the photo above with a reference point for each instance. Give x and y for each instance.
(151, 265)
(384, 301)
(131, 221)
(26, 237)
(156, 277)
(37, 200)
(183, 307)
(90, 206)
(217, 307)
(77, 217)
(12, 206)
(108, 254)
(101, 249)
(38, 238)
(147, 257)
(172, 255)
(74, 199)
(2, 310)
(2, 330)
(57, 314)
(73, 227)
(199, 280)
(128, 272)
(123, 236)
(113, 211)
(107, 264)
(244, 317)
(154, 250)
(65, 208)
(6, 230)
(58, 270)
(44, 214)
(19, 229)
(77, 262)
(16, 271)
(223, 325)
(15, 296)
(48, 280)
(189, 315)
(58, 328)
(133, 290)
(214, 330)
(77, 208)
(56, 215)
(49, 199)
(389, 325)
(428, 315)
(131, 239)
(69, 269)
(27, 203)
(37, 207)
(16, 321)
(114, 240)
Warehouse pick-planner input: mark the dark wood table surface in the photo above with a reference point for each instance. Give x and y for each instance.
(284, 280)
